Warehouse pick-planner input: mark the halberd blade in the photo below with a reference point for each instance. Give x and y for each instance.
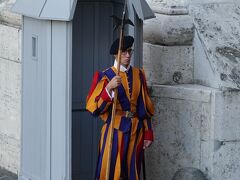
(118, 21)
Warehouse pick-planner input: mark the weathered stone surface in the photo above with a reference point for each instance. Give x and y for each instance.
(10, 88)
(10, 95)
(217, 25)
(162, 66)
(10, 113)
(158, 5)
(189, 174)
(169, 30)
(177, 126)
(9, 153)
(10, 43)
(207, 151)
(184, 91)
(173, 7)
(203, 71)
(6, 16)
(226, 162)
(193, 2)
(195, 126)
(227, 122)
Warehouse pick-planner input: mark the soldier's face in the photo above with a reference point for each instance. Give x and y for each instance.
(126, 57)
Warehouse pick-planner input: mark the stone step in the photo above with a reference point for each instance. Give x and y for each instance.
(197, 127)
(168, 64)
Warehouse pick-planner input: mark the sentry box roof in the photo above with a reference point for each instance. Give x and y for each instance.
(64, 9)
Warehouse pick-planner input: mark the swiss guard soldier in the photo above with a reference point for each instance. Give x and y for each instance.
(132, 129)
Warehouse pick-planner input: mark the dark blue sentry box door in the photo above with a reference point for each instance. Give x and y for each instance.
(92, 37)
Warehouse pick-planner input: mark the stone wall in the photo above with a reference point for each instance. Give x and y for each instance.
(218, 33)
(10, 87)
(191, 58)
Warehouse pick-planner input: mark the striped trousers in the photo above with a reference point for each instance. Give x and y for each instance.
(126, 155)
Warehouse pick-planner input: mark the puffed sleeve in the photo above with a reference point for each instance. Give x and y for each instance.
(147, 122)
(98, 99)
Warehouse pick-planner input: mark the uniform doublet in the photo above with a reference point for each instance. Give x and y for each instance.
(129, 132)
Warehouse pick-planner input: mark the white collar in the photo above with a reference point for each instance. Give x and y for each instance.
(122, 68)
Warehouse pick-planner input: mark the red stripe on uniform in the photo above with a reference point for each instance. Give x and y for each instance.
(148, 135)
(94, 84)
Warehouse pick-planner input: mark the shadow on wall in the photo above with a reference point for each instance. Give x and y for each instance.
(189, 173)
(7, 175)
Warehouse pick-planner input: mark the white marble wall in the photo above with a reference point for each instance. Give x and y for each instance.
(197, 119)
(217, 28)
(195, 127)
(10, 87)
(216, 36)
(162, 66)
(6, 16)
(182, 112)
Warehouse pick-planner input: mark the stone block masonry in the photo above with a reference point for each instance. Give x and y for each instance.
(10, 91)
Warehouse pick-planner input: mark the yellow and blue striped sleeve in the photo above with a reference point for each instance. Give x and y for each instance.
(98, 99)
(147, 122)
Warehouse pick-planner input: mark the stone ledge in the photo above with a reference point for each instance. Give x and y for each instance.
(184, 91)
(171, 7)
(168, 64)
(182, 118)
(171, 10)
(7, 17)
(169, 30)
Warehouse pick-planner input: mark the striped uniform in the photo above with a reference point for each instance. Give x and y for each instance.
(129, 133)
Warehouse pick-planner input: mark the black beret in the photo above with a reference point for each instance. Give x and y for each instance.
(127, 42)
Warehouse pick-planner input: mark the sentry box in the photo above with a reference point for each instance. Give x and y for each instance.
(63, 44)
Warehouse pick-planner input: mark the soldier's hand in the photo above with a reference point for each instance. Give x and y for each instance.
(115, 82)
(146, 144)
